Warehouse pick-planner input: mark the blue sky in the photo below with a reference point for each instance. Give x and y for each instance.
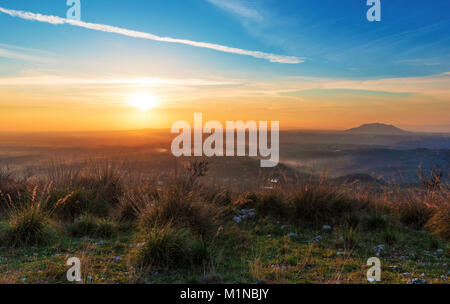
(341, 57)
(335, 39)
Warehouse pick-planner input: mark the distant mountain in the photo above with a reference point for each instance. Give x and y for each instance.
(358, 178)
(377, 128)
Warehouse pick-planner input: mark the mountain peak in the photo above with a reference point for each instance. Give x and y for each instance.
(377, 128)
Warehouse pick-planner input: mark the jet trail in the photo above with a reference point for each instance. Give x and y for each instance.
(143, 35)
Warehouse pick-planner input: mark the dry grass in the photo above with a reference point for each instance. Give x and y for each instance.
(170, 247)
(28, 223)
(181, 224)
(439, 222)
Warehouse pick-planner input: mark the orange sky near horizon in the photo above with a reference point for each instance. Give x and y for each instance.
(80, 104)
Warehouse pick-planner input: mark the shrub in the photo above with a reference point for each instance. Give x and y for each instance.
(28, 225)
(433, 243)
(84, 225)
(320, 204)
(104, 181)
(96, 191)
(188, 180)
(69, 205)
(414, 213)
(351, 238)
(183, 212)
(168, 247)
(3, 232)
(272, 203)
(439, 223)
(105, 228)
(352, 220)
(11, 190)
(390, 237)
(375, 222)
(135, 201)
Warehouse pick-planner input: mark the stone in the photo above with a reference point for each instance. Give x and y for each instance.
(417, 281)
(237, 219)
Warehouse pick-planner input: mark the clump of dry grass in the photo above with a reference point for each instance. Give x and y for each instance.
(176, 224)
(273, 203)
(106, 228)
(413, 210)
(374, 221)
(11, 189)
(179, 210)
(179, 204)
(320, 204)
(28, 223)
(439, 222)
(85, 225)
(89, 225)
(307, 203)
(97, 189)
(135, 200)
(169, 247)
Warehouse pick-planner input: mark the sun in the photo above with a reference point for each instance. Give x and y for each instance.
(144, 102)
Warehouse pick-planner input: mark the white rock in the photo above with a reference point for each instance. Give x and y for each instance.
(417, 281)
(326, 227)
(317, 238)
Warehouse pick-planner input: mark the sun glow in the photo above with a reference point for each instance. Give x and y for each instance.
(144, 102)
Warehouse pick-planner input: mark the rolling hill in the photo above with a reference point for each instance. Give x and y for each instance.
(377, 128)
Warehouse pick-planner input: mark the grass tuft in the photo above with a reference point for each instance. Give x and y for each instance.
(29, 225)
(183, 212)
(85, 225)
(319, 204)
(272, 203)
(106, 228)
(169, 247)
(375, 222)
(439, 223)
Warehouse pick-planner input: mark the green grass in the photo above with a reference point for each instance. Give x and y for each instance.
(258, 251)
(28, 225)
(169, 248)
(184, 233)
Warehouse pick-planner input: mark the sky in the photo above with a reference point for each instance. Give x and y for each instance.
(308, 64)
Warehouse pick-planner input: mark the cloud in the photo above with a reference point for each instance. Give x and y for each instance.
(142, 35)
(238, 8)
(99, 82)
(15, 52)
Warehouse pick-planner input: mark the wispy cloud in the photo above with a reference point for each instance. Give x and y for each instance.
(238, 8)
(143, 35)
(120, 82)
(21, 53)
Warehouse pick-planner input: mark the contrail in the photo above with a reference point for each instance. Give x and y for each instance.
(136, 34)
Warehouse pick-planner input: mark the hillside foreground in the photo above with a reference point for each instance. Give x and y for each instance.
(185, 231)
